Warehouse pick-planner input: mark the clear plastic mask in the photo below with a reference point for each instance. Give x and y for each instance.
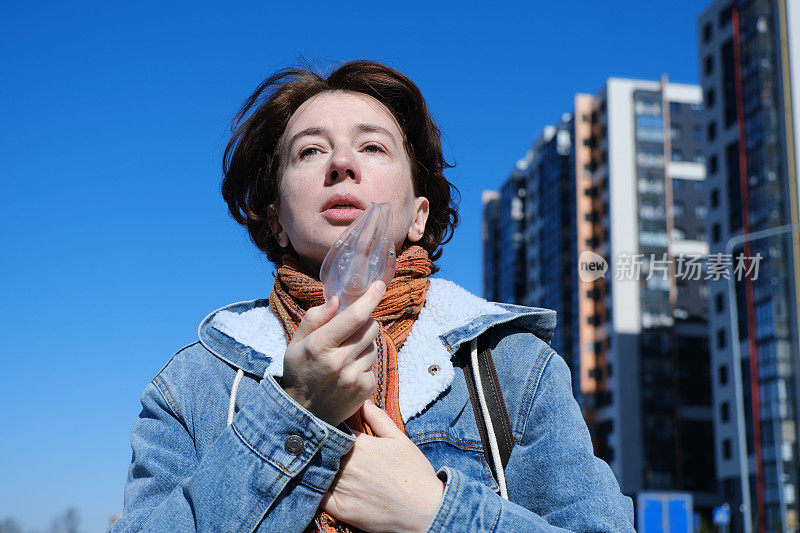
(362, 254)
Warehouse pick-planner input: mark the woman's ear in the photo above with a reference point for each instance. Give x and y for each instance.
(276, 228)
(417, 229)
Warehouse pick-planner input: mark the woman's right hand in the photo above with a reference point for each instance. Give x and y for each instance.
(327, 367)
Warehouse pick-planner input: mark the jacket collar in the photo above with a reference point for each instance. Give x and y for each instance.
(249, 336)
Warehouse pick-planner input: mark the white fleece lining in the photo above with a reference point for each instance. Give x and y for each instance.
(259, 329)
(447, 306)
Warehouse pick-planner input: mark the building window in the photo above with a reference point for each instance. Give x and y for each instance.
(722, 338)
(724, 411)
(706, 32)
(711, 131)
(723, 374)
(727, 67)
(604, 398)
(699, 157)
(725, 16)
(710, 98)
(675, 132)
(719, 303)
(715, 232)
(734, 189)
(726, 448)
(712, 164)
(714, 198)
(697, 133)
(677, 155)
(708, 65)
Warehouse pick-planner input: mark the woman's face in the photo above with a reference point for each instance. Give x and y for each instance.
(343, 143)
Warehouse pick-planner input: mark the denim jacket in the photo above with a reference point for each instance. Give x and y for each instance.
(267, 469)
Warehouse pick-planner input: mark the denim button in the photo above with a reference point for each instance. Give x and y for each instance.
(294, 444)
(433, 369)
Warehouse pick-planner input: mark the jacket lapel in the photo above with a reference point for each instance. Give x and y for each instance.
(425, 369)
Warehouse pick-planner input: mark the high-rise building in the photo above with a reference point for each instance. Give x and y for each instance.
(620, 181)
(645, 320)
(550, 236)
(750, 71)
(503, 245)
(490, 238)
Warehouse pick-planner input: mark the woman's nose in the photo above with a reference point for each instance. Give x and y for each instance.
(343, 165)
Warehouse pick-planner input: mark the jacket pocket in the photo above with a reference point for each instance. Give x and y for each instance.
(444, 448)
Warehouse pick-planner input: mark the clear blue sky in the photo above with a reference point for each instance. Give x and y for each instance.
(116, 242)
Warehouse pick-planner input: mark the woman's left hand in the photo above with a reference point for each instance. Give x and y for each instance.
(384, 483)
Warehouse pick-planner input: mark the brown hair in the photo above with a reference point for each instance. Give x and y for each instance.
(253, 159)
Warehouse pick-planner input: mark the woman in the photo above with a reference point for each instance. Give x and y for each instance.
(286, 416)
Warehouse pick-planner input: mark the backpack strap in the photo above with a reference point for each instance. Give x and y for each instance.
(494, 398)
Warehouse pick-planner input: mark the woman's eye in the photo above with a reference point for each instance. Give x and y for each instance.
(377, 147)
(303, 153)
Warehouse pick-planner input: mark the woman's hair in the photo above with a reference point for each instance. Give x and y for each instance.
(253, 161)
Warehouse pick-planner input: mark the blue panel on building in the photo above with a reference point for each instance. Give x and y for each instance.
(678, 516)
(653, 517)
(664, 512)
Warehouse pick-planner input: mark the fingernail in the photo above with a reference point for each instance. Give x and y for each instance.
(381, 286)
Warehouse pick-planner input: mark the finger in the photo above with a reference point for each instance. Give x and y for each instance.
(363, 362)
(343, 325)
(316, 317)
(360, 343)
(380, 421)
(361, 338)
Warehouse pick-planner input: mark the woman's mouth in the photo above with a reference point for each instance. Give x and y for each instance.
(342, 213)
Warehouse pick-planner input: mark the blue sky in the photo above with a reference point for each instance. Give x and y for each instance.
(115, 239)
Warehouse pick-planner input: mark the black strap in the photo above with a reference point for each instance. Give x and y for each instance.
(494, 401)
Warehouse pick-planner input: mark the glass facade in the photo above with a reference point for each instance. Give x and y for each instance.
(512, 282)
(504, 250)
(551, 236)
(754, 179)
(491, 253)
(675, 373)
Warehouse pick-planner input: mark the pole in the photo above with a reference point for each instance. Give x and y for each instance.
(738, 389)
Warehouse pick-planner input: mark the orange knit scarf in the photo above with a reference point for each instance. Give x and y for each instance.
(294, 292)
